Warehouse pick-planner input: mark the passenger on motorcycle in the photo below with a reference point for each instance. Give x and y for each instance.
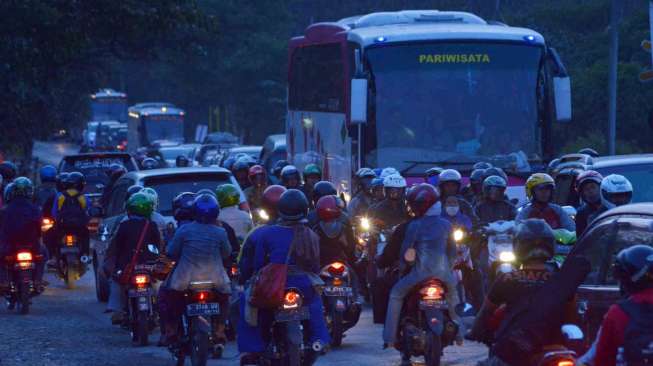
(321, 189)
(199, 249)
(392, 210)
(363, 198)
(231, 233)
(473, 193)
(616, 190)
(336, 235)
(182, 208)
(629, 323)
(276, 171)
(123, 248)
(239, 220)
(450, 184)
(290, 177)
(539, 189)
(45, 193)
(494, 206)
(378, 193)
(240, 170)
(20, 228)
(432, 175)
(534, 246)
(312, 174)
(588, 185)
(426, 251)
(259, 182)
(70, 211)
(272, 244)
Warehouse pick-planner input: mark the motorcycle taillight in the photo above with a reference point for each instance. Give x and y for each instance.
(566, 363)
(141, 280)
(337, 269)
(24, 257)
(70, 240)
(202, 296)
(432, 292)
(292, 299)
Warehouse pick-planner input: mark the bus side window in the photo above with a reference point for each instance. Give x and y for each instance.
(317, 79)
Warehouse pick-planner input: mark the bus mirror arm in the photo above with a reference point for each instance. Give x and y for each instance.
(559, 69)
(561, 87)
(358, 64)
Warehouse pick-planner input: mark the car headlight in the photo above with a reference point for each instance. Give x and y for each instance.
(458, 235)
(507, 257)
(365, 224)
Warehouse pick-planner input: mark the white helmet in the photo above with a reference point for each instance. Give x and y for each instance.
(394, 181)
(450, 175)
(388, 171)
(615, 184)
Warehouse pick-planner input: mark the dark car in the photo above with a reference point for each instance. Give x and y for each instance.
(168, 183)
(638, 168)
(252, 150)
(210, 154)
(608, 234)
(170, 153)
(274, 149)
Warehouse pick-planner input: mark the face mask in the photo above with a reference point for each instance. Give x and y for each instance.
(452, 210)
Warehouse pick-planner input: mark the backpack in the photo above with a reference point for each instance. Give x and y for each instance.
(71, 214)
(638, 338)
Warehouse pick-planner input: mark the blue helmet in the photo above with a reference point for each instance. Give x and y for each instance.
(48, 173)
(206, 208)
(377, 171)
(376, 182)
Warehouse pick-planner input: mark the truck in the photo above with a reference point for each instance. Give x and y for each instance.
(154, 123)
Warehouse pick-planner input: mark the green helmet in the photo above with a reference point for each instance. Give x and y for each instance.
(23, 187)
(153, 196)
(565, 237)
(312, 169)
(140, 204)
(228, 195)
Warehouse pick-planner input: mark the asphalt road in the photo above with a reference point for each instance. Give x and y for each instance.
(68, 327)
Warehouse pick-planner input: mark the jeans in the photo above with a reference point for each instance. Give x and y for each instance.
(117, 299)
(399, 292)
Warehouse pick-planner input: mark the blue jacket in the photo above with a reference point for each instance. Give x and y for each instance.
(460, 220)
(20, 226)
(430, 236)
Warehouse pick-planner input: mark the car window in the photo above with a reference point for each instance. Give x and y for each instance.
(640, 175)
(604, 242)
(117, 201)
(168, 187)
(95, 168)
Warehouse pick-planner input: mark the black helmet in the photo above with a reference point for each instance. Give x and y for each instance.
(323, 188)
(278, 166)
(182, 206)
(633, 267)
(482, 165)
(477, 176)
(589, 151)
(77, 180)
(534, 240)
(149, 163)
(62, 181)
(293, 205)
(23, 187)
(116, 171)
(8, 171)
(132, 190)
(182, 161)
(206, 191)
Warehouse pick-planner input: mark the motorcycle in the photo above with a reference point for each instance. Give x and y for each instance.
(500, 236)
(71, 265)
(200, 319)
(426, 326)
(340, 307)
(141, 314)
(20, 268)
(287, 338)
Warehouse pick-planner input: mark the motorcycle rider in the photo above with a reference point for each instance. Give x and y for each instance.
(199, 249)
(616, 190)
(228, 198)
(311, 174)
(70, 211)
(494, 206)
(240, 170)
(473, 193)
(122, 248)
(450, 184)
(432, 175)
(378, 193)
(362, 199)
(588, 186)
(182, 208)
(149, 163)
(392, 210)
(271, 244)
(276, 171)
(628, 324)
(259, 182)
(290, 177)
(534, 245)
(114, 172)
(426, 251)
(539, 189)
(321, 189)
(336, 235)
(182, 161)
(20, 228)
(8, 170)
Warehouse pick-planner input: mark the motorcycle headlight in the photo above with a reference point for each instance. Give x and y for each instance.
(507, 257)
(365, 224)
(263, 215)
(458, 235)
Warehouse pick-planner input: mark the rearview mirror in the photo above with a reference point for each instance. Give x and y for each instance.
(152, 249)
(359, 101)
(562, 98)
(572, 332)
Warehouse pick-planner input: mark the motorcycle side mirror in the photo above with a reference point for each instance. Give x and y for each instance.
(152, 249)
(96, 211)
(570, 210)
(572, 332)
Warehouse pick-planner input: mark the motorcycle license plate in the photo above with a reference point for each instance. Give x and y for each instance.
(563, 249)
(337, 291)
(288, 315)
(138, 292)
(430, 304)
(69, 250)
(212, 308)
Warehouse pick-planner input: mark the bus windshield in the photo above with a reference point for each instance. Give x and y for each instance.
(109, 109)
(164, 127)
(453, 102)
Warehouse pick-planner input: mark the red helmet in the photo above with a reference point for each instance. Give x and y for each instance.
(271, 196)
(421, 197)
(256, 170)
(588, 176)
(328, 208)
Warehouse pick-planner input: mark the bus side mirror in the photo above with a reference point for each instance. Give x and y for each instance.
(562, 98)
(358, 101)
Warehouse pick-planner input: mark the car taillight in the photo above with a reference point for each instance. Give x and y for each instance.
(141, 280)
(336, 269)
(292, 299)
(432, 292)
(202, 296)
(24, 257)
(46, 224)
(566, 363)
(70, 240)
(234, 270)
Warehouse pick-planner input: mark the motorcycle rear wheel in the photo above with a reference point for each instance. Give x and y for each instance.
(71, 273)
(141, 329)
(199, 346)
(22, 301)
(433, 351)
(336, 328)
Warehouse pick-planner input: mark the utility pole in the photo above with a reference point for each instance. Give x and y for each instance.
(615, 14)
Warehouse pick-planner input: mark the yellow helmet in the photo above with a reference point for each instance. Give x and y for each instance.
(537, 180)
